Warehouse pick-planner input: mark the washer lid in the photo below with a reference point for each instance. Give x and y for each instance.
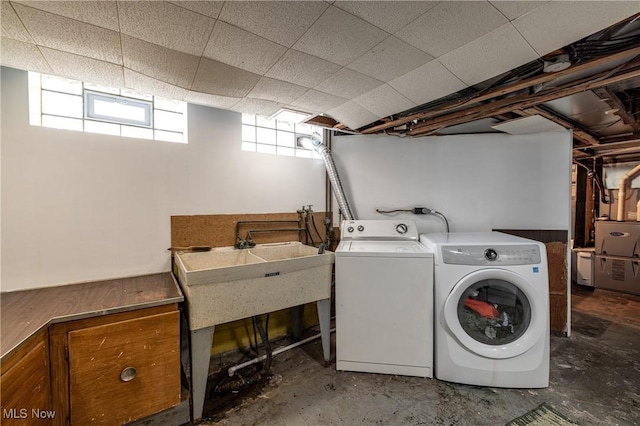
(383, 248)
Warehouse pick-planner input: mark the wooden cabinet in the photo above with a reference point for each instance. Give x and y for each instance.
(25, 384)
(117, 368)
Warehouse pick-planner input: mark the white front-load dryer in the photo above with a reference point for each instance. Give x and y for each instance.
(491, 306)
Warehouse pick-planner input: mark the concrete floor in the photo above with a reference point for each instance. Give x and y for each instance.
(594, 380)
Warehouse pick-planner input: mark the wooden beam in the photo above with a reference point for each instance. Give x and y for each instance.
(501, 91)
(322, 121)
(615, 103)
(523, 101)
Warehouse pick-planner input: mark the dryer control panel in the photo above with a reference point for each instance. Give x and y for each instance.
(379, 230)
(501, 255)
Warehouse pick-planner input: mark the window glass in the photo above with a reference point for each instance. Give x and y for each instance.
(267, 149)
(249, 119)
(248, 146)
(248, 133)
(262, 134)
(265, 122)
(494, 312)
(74, 105)
(286, 139)
(267, 136)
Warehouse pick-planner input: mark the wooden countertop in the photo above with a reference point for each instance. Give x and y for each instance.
(23, 313)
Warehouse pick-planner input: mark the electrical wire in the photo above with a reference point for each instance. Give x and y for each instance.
(394, 211)
(313, 222)
(446, 222)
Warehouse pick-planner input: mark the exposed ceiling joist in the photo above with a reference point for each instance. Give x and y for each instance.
(579, 132)
(512, 88)
(524, 101)
(618, 107)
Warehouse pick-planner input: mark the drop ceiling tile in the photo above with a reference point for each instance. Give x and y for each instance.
(348, 84)
(339, 37)
(528, 125)
(276, 90)
(353, 115)
(427, 83)
(147, 85)
(388, 15)
(257, 106)
(21, 55)
(546, 29)
(302, 69)
(11, 26)
(516, 9)
(451, 24)
(224, 102)
(101, 13)
(208, 8)
(165, 24)
(280, 21)
(491, 55)
(318, 102)
(155, 61)
(58, 32)
(216, 78)
(242, 49)
(384, 101)
(390, 59)
(83, 68)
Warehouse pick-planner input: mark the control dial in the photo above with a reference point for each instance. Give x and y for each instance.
(350, 229)
(491, 254)
(402, 228)
(360, 228)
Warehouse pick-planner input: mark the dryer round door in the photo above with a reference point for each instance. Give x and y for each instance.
(496, 313)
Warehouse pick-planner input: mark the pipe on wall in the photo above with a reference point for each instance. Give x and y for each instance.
(622, 189)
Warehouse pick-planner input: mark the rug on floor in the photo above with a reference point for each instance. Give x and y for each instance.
(542, 415)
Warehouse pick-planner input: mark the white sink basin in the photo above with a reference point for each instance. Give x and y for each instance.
(227, 284)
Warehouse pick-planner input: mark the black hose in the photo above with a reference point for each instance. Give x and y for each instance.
(313, 222)
(446, 222)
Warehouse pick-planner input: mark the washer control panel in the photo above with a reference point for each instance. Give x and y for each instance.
(501, 255)
(379, 230)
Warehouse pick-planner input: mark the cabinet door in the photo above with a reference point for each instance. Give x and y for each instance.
(25, 386)
(123, 371)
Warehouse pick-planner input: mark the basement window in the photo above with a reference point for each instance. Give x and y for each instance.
(63, 103)
(269, 136)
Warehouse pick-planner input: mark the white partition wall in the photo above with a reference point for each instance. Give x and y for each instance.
(480, 182)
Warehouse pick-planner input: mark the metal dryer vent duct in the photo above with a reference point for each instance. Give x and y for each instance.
(314, 142)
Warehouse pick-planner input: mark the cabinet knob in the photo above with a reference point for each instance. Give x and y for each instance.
(128, 374)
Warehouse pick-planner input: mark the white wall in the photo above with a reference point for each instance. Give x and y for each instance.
(480, 182)
(80, 207)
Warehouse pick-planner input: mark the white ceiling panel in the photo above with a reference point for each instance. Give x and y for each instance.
(207, 8)
(143, 84)
(240, 48)
(58, 32)
(302, 69)
(353, 115)
(528, 125)
(11, 26)
(21, 55)
(165, 24)
(317, 102)
(516, 9)
(546, 28)
(451, 24)
(83, 68)
(276, 90)
(492, 54)
(280, 21)
(216, 78)
(257, 106)
(390, 59)
(388, 15)
(384, 101)
(427, 83)
(348, 84)
(224, 102)
(101, 13)
(155, 61)
(340, 37)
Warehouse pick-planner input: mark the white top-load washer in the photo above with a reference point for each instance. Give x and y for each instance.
(491, 309)
(384, 299)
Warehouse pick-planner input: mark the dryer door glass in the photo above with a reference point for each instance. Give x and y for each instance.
(494, 312)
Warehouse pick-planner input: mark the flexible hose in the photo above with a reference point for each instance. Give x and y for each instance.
(323, 151)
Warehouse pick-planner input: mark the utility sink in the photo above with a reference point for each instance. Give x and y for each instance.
(227, 284)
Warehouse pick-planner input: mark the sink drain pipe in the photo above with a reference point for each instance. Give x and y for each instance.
(314, 142)
(232, 370)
